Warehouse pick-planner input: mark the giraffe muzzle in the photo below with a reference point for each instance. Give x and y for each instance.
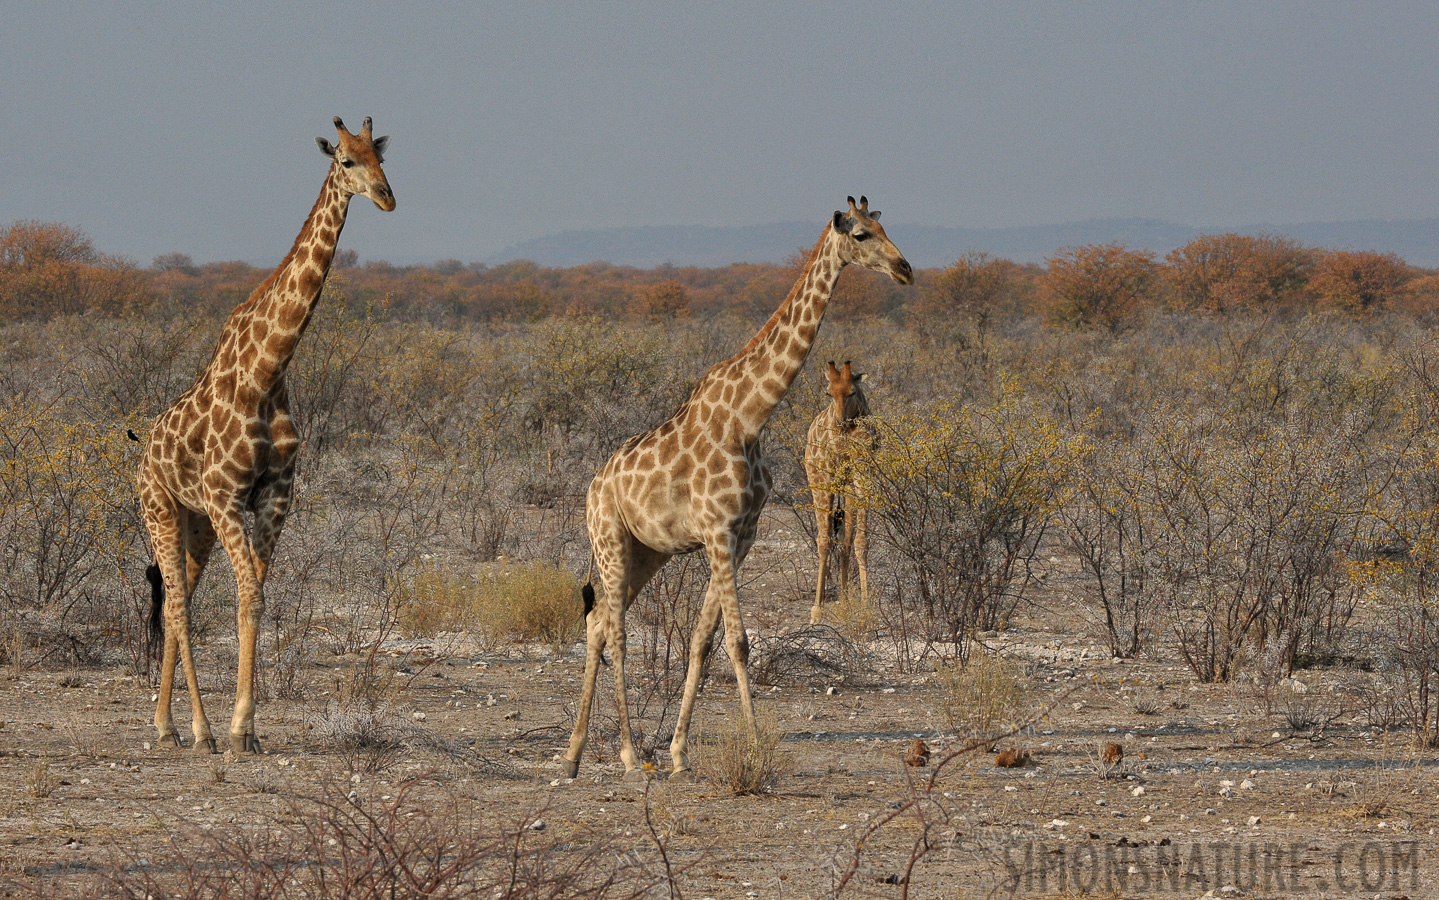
(902, 273)
(383, 197)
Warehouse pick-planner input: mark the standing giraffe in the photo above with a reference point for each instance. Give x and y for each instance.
(834, 435)
(228, 447)
(699, 481)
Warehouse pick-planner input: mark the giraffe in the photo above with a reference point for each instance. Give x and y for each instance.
(699, 481)
(839, 427)
(227, 446)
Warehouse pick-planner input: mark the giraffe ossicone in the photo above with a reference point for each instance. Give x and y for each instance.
(228, 447)
(836, 436)
(699, 480)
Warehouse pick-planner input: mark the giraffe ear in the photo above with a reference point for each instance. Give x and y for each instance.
(842, 223)
(858, 377)
(325, 147)
(874, 215)
(380, 144)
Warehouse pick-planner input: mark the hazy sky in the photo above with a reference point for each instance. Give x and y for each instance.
(161, 127)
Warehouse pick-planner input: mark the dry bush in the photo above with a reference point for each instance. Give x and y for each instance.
(740, 762)
(368, 738)
(815, 651)
(960, 497)
(333, 846)
(1110, 527)
(982, 695)
(533, 601)
(70, 532)
(1251, 536)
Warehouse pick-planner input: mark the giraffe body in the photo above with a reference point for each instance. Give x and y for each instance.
(699, 480)
(227, 447)
(834, 435)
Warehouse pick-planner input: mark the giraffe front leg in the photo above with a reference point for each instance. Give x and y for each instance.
(861, 551)
(822, 516)
(700, 644)
(229, 523)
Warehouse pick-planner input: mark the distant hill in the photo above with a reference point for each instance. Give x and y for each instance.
(1416, 240)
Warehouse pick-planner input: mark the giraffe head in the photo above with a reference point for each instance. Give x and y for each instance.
(862, 241)
(849, 401)
(356, 159)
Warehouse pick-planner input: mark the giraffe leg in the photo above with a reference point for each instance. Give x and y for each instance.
(169, 527)
(595, 633)
(861, 550)
(720, 599)
(846, 547)
(228, 520)
(700, 644)
(609, 546)
(822, 516)
(164, 531)
(625, 566)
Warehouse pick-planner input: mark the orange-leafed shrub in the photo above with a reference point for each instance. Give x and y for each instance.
(1100, 285)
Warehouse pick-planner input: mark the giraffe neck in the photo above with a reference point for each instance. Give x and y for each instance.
(772, 359)
(287, 299)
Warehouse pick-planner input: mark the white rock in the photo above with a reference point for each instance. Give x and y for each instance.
(1138, 792)
(1254, 821)
(1247, 785)
(418, 716)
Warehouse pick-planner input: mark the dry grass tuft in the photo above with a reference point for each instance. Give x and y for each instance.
(741, 764)
(852, 616)
(531, 601)
(41, 782)
(982, 695)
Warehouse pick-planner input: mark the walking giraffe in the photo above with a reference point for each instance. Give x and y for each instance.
(228, 447)
(834, 435)
(699, 481)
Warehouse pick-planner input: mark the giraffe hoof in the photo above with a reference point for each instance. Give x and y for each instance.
(171, 740)
(205, 746)
(244, 744)
(571, 767)
(636, 776)
(684, 776)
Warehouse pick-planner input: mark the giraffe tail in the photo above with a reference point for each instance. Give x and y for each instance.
(588, 593)
(157, 603)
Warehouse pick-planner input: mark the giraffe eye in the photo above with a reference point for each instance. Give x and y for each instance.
(347, 163)
(861, 236)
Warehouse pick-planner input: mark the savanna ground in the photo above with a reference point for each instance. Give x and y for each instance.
(1188, 507)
